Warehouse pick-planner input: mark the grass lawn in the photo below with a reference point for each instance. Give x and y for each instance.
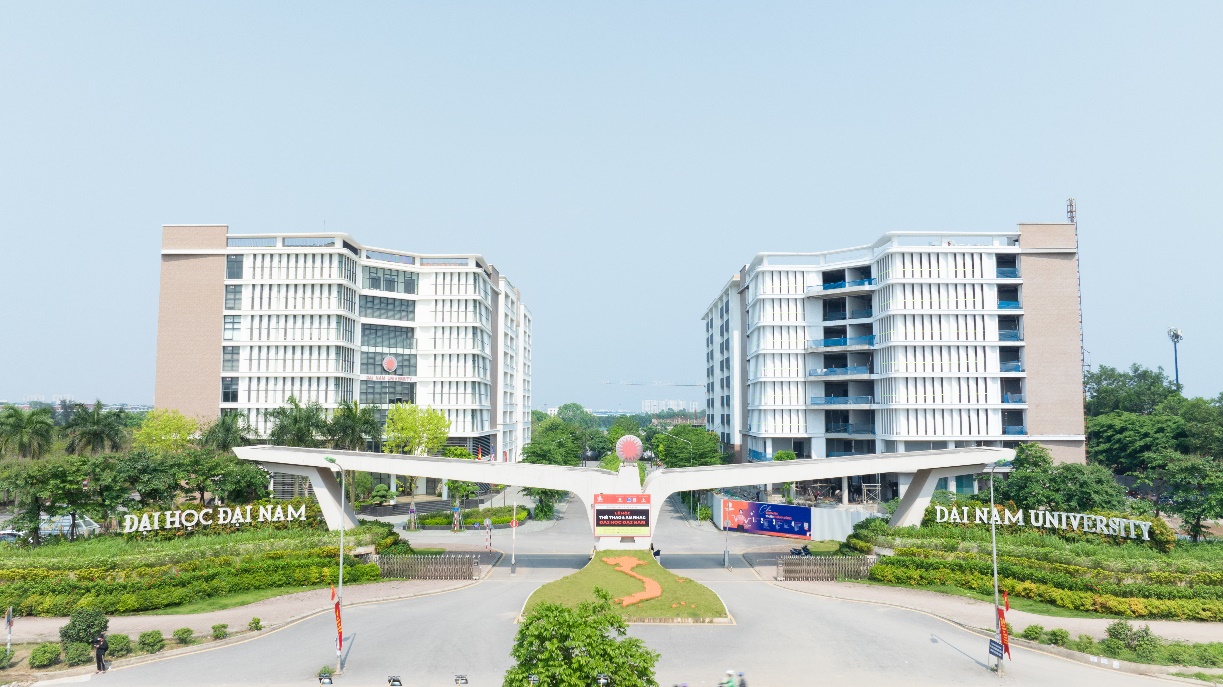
(1204, 677)
(681, 597)
(220, 603)
(823, 547)
(1017, 603)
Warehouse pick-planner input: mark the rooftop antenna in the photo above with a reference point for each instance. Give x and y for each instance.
(1070, 210)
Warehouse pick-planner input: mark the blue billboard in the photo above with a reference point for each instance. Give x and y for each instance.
(775, 519)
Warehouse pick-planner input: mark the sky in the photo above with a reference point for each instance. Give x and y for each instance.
(617, 161)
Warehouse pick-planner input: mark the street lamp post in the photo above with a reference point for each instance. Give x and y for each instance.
(340, 594)
(993, 538)
(1176, 337)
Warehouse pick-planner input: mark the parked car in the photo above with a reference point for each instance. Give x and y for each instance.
(61, 525)
(11, 536)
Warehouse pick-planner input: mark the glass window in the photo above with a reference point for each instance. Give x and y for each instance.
(233, 297)
(387, 279)
(229, 358)
(233, 266)
(385, 393)
(941, 484)
(386, 336)
(963, 484)
(385, 308)
(307, 242)
(233, 323)
(401, 365)
(229, 390)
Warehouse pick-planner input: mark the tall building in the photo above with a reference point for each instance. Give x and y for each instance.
(246, 321)
(918, 341)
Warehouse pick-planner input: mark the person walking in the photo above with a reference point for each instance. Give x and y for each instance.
(100, 647)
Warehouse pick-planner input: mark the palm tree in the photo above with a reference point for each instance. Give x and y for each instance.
(296, 425)
(27, 433)
(350, 427)
(230, 430)
(93, 430)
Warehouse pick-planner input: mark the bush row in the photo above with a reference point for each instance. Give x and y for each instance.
(500, 515)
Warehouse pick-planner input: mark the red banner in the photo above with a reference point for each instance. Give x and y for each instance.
(339, 631)
(1006, 639)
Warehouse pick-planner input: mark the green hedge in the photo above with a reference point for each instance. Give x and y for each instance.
(500, 515)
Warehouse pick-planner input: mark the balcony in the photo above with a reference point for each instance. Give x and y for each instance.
(868, 340)
(842, 454)
(834, 371)
(849, 428)
(1008, 272)
(840, 400)
(1010, 366)
(1009, 305)
(860, 314)
(1009, 335)
(1012, 430)
(869, 281)
(835, 315)
(1013, 398)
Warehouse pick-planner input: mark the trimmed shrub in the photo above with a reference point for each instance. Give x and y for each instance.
(1085, 643)
(1033, 633)
(77, 654)
(326, 671)
(44, 655)
(254, 625)
(83, 626)
(1057, 637)
(220, 631)
(184, 635)
(120, 645)
(151, 642)
(6, 658)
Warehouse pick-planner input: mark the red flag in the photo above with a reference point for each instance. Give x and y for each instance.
(339, 631)
(333, 592)
(1003, 634)
(1007, 600)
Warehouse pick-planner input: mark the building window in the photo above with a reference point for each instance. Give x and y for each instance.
(233, 266)
(233, 297)
(229, 390)
(385, 393)
(232, 324)
(384, 308)
(387, 279)
(229, 358)
(386, 336)
(401, 364)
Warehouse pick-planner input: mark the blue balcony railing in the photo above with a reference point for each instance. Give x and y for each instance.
(1009, 305)
(869, 281)
(1010, 366)
(756, 456)
(833, 371)
(1008, 272)
(839, 400)
(1014, 429)
(1013, 398)
(868, 340)
(849, 428)
(1009, 335)
(860, 314)
(842, 454)
(835, 315)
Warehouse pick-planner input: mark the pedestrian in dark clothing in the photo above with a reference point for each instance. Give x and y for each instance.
(100, 647)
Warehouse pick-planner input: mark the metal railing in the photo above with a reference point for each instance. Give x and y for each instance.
(849, 428)
(868, 340)
(842, 454)
(833, 316)
(824, 568)
(839, 400)
(443, 567)
(1008, 272)
(755, 456)
(1009, 305)
(834, 371)
(860, 314)
(1014, 429)
(1009, 335)
(1013, 398)
(1010, 366)
(869, 281)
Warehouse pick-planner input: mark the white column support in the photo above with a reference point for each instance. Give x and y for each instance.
(844, 490)
(326, 490)
(916, 499)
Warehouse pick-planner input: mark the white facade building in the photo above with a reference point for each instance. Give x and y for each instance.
(324, 318)
(919, 341)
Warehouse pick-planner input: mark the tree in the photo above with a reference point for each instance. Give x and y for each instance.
(26, 433)
(571, 647)
(1138, 390)
(576, 415)
(240, 481)
(93, 430)
(414, 430)
(164, 431)
(686, 446)
(296, 425)
(230, 430)
(554, 442)
(458, 489)
(1035, 482)
(198, 470)
(1120, 440)
(350, 427)
(1194, 485)
(106, 492)
(155, 479)
(1202, 433)
(624, 424)
(538, 416)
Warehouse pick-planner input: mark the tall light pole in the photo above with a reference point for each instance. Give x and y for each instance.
(993, 538)
(1176, 337)
(339, 640)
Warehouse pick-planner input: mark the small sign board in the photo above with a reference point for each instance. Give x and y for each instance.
(513, 523)
(455, 509)
(995, 648)
(622, 515)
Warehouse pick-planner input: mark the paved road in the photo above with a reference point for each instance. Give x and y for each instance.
(781, 637)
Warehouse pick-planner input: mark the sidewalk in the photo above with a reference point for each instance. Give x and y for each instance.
(979, 614)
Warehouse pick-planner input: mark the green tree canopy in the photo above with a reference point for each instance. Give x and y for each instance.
(571, 647)
(1035, 482)
(352, 426)
(623, 425)
(93, 430)
(1194, 485)
(296, 425)
(230, 430)
(686, 446)
(1203, 423)
(554, 442)
(1120, 440)
(1137, 390)
(26, 433)
(576, 415)
(163, 431)
(414, 430)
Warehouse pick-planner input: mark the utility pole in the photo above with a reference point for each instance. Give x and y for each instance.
(993, 538)
(339, 604)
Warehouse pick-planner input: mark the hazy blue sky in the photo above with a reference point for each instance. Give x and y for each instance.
(618, 161)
